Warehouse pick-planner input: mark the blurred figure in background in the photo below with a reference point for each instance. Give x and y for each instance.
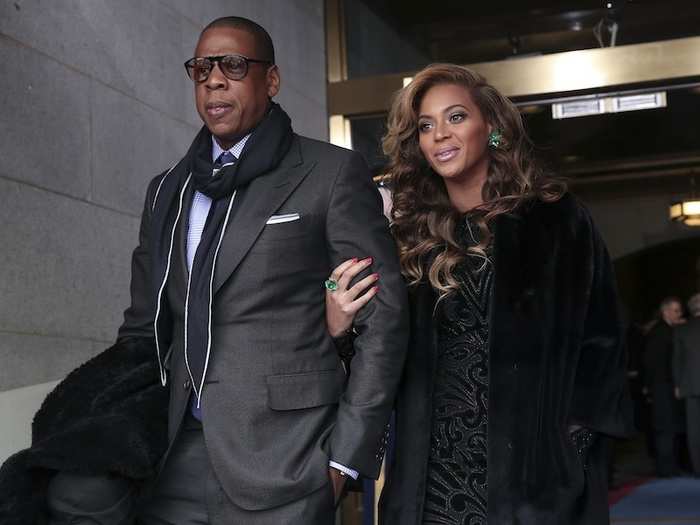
(686, 376)
(666, 417)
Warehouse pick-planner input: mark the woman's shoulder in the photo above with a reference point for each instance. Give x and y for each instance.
(567, 204)
(563, 220)
(566, 210)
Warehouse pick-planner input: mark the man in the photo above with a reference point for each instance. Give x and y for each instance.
(686, 376)
(659, 383)
(235, 243)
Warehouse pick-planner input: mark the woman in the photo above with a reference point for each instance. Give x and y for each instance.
(515, 368)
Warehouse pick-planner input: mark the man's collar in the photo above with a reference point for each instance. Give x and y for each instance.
(236, 149)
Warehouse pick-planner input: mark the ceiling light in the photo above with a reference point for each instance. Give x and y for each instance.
(687, 212)
(637, 102)
(578, 108)
(599, 105)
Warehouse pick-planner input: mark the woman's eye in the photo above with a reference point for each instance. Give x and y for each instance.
(456, 117)
(423, 127)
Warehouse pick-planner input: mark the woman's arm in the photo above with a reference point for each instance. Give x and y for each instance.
(343, 302)
(600, 402)
(342, 305)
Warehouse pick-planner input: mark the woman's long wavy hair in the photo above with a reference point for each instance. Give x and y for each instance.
(423, 219)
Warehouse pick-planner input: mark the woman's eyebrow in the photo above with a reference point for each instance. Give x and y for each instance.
(453, 106)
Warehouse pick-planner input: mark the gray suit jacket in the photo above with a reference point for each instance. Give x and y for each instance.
(686, 357)
(276, 404)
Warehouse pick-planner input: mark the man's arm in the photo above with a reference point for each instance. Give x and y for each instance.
(139, 316)
(356, 227)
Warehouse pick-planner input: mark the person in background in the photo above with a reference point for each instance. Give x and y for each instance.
(686, 376)
(515, 376)
(665, 408)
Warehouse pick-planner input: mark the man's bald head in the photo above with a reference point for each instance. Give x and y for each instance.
(263, 41)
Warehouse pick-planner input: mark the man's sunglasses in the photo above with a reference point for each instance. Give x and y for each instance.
(234, 67)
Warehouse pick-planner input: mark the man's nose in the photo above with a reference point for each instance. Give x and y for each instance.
(216, 78)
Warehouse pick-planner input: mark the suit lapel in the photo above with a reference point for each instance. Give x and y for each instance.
(253, 207)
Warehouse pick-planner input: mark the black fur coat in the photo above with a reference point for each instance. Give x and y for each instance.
(556, 358)
(108, 416)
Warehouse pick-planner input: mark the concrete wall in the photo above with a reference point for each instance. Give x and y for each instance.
(95, 102)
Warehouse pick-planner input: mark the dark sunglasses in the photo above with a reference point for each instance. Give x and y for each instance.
(234, 67)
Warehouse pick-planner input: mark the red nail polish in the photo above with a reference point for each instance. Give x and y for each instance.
(375, 275)
(370, 260)
(376, 289)
(355, 259)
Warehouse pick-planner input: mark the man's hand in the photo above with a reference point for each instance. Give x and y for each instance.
(338, 480)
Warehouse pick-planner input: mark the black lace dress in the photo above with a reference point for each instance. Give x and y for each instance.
(456, 492)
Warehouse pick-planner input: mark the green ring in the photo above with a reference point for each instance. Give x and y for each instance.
(331, 285)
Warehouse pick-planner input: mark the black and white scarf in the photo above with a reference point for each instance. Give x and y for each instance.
(263, 151)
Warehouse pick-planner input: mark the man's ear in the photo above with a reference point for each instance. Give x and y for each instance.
(273, 80)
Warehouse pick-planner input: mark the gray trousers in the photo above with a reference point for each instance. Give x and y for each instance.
(186, 492)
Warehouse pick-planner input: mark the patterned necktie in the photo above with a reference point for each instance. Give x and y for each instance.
(225, 159)
(200, 210)
(201, 207)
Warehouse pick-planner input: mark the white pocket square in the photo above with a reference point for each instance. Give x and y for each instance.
(287, 217)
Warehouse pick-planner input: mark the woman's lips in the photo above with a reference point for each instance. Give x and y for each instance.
(447, 154)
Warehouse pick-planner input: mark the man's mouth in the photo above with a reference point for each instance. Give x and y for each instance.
(217, 109)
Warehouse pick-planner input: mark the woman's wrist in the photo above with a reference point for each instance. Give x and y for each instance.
(344, 342)
(340, 333)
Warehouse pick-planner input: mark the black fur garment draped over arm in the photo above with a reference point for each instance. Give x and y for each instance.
(107, 416)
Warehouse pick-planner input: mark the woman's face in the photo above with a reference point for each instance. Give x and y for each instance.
(452, 132)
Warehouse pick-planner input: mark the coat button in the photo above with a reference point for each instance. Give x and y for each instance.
(515, 367)
(186, 384)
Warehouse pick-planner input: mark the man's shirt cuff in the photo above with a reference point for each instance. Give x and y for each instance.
(350, 472)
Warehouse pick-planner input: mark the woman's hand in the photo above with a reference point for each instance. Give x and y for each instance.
(342, 304)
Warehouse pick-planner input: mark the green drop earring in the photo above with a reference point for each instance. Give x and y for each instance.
(495, 139)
